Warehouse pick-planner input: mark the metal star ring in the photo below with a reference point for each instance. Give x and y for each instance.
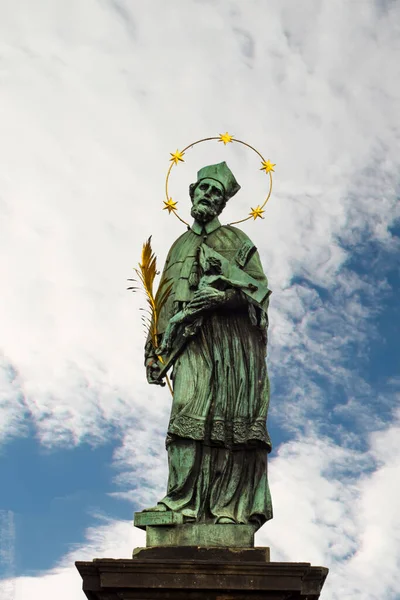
(176, 157)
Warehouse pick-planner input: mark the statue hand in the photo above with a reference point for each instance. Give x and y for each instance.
(165, 347)
(206, 298)
(169, 334)
(153, 368)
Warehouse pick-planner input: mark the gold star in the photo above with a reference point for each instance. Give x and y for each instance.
(170, 205)
(267, 166)
(257, 212)
(177, 156)
(225, 137)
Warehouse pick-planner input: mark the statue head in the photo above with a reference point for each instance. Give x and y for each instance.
(214, 186)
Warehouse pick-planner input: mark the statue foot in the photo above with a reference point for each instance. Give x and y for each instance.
(226, 521)
(157, 508)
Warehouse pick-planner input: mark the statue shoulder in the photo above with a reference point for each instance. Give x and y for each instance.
(180, 247)
(239, 241)
(246, 255)
(236, 234)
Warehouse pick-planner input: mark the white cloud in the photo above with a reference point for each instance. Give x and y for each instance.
(94, 98)
(12, 409)
(333, 506)
(110, 540)
(90, 112)
(337, 507)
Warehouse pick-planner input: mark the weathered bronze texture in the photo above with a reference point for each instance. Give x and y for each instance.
(206, 535)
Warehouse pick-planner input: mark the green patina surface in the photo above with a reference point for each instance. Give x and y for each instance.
(160, 519)
(213, 333)
(208, 536)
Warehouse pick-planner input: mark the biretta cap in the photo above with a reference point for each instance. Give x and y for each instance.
(221, 173)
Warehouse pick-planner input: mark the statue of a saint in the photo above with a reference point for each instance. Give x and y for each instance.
(213, 330)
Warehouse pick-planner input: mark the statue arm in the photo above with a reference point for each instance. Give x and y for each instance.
(258, 311)
(242, 272)
(254, 269)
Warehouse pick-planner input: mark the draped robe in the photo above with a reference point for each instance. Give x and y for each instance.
(217, 437)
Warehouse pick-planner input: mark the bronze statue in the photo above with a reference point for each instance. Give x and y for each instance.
(212, 330)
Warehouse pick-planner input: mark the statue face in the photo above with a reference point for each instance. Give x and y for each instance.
(208, 200)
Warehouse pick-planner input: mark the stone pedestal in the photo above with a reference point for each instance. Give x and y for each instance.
(195, 561)
(170, 529)
(192, 573)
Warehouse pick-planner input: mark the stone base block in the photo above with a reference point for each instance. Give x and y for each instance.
(198, 577)
(209, 536)
(159, 519)
(195, 553)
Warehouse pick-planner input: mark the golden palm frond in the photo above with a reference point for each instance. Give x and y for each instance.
(146, 272)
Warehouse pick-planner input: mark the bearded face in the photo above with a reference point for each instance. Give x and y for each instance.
(208, 200)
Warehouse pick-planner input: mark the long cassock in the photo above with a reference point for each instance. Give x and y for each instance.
(217, 437)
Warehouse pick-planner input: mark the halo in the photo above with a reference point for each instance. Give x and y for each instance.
(176, 157)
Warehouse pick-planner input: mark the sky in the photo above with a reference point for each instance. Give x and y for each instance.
(95, 95)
